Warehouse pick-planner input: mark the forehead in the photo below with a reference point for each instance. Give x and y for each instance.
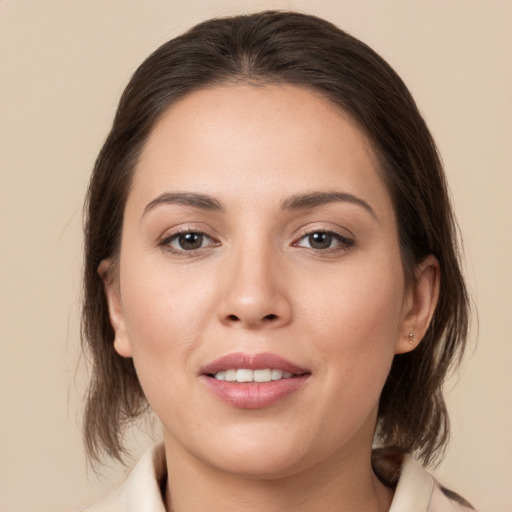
(259, 141)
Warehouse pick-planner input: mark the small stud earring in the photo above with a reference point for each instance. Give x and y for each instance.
(411, 336)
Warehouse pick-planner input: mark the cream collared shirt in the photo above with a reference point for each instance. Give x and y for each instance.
(415, 491)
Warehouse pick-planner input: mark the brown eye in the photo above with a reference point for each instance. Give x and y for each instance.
(187, 241)
(190, 241)
(325, 241)
(320, 240)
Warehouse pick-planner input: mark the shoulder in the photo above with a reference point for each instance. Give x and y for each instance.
(415, 488)
(141, 491)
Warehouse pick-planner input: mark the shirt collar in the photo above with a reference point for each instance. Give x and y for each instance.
(142, 490)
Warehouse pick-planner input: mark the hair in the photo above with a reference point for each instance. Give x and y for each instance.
(284, 48)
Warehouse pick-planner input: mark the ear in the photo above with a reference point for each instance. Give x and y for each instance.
(111, 283)
(419, 305)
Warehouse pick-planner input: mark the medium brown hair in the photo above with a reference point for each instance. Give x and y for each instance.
(301, 50)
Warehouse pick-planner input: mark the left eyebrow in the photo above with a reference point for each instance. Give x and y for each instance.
(315, 199)
(200, 201)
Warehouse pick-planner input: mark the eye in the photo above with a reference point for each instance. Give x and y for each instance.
(187, 241)
(324, 241)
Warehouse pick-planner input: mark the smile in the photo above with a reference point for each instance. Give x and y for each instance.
(247, 375)
(253, 381)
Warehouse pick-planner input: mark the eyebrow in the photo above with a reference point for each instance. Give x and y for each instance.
(201, 201)
(292, 203)
(314, 199)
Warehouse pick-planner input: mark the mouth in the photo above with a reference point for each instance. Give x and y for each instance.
(253, 381)
(248, 375)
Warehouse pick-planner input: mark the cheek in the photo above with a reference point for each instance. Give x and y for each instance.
(165, 316)
(165, 309)
(357, 315)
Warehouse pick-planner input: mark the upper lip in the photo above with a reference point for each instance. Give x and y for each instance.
(259, 361)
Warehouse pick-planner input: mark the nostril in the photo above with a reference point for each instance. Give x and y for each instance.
(269, 317)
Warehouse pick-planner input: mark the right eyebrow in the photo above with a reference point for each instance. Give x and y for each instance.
(315, 199)
(201, 201)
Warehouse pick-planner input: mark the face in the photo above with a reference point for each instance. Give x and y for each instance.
(260, 289)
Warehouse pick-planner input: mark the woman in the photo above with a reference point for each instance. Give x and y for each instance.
(272, 268)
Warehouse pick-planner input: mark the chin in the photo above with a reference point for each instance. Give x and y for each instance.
(264, 453)
(260, 464)
(253, 452)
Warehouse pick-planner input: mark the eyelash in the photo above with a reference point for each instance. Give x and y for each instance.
(168, 240)
(342, 242)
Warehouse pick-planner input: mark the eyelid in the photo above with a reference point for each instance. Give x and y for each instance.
(173, 233)
(346, 242)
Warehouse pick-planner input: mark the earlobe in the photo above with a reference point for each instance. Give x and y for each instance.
(420, 305)
(115, 308)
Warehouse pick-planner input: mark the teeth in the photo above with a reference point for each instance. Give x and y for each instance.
(262, 375)
(277, 374)
(231, 375)
(245, 375)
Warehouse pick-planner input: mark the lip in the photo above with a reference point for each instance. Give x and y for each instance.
(251, 362)
(253, 395)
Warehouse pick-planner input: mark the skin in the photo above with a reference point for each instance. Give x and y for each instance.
(255, 285)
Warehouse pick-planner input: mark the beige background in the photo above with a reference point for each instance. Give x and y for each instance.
(63, 65)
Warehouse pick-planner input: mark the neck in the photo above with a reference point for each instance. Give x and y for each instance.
(345, 482)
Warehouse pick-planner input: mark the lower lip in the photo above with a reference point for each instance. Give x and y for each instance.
(254, 395)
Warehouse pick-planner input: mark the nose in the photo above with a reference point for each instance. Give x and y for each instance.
(254, 292)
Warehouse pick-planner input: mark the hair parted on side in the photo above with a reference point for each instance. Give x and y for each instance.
(306, 51)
